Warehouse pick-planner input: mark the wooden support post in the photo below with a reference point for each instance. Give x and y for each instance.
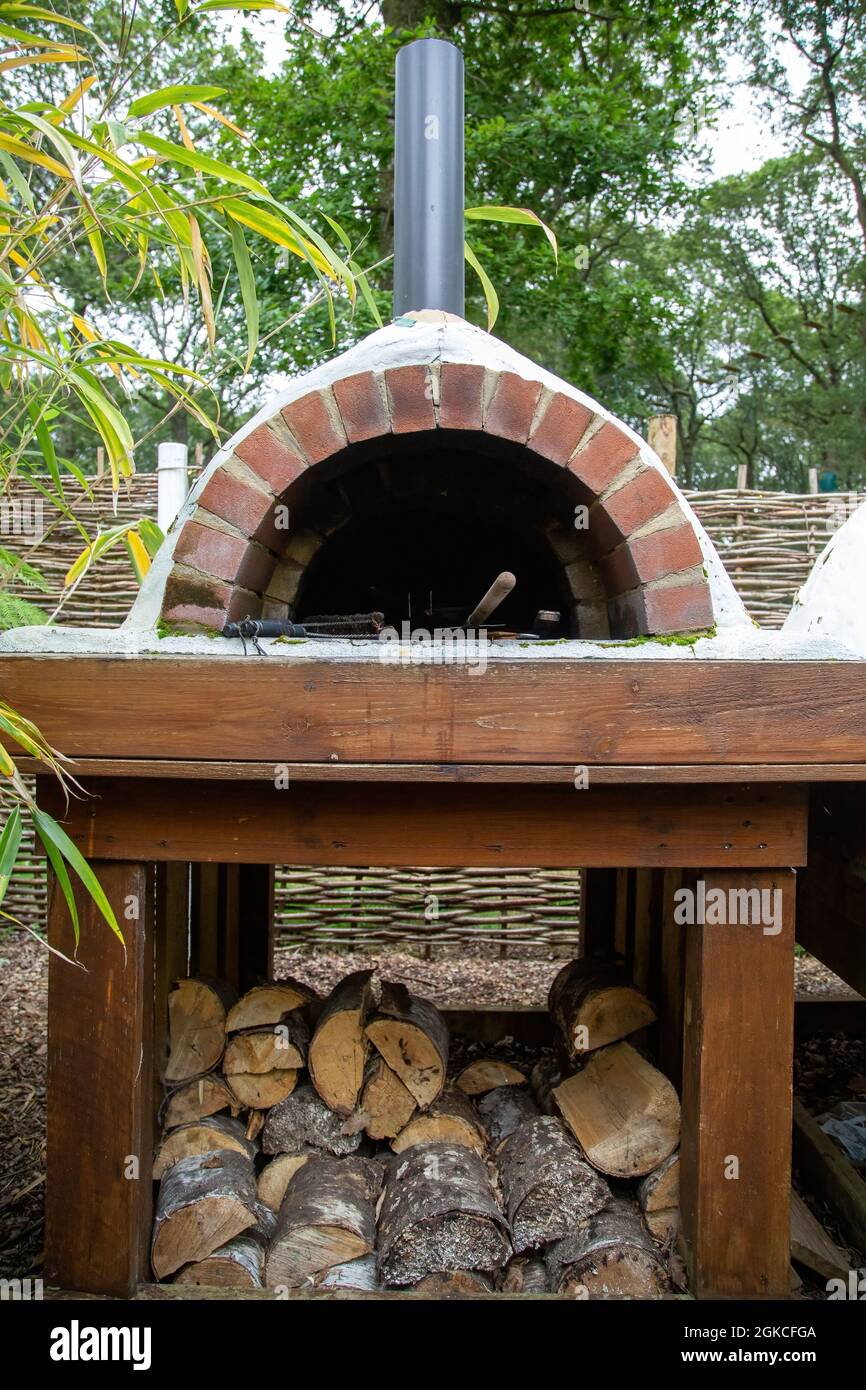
(232, 914)
(171, 953)
(669, 996)
(100, 1091)
(735, 1170)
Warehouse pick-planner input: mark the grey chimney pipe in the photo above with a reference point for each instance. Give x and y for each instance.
(428, 178)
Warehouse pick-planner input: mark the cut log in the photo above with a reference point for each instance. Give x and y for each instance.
(661, 1187)
(411, 1035)
(386, 1104)
(201, 1137)
(271, 1047)
(276, 1176)
(594, 1004)
(612, 1256)
(525, 1274)
(197, 1099)
(543, 1080)
(659, 1198)
(356, 1274)
(268, 1004)
(455, 1284)
(503, 1110)
(240, 1264)
(197, 1027)
(261, 1091)
(439, 1213)
(327, 1218)
(452, 1119)
(304, 1119)
(811, 1246)
(664, 1224)
(622, 1111)
(548, 1186)
(204, 1201)
(338, 1049)
(488, 1074)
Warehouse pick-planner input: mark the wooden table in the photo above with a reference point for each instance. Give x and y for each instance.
(696, 770)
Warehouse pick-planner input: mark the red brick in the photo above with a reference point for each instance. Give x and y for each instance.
(195, 601)
(313, 427)
(604, 458)
(510, 413)
(411, 396)
(658, 611)
(213, 552)
(647, 495)
(651, 557)
(461, 391)
(362, 407)
(244, 505)
(243, 604)
(560, 429)
(272, 460)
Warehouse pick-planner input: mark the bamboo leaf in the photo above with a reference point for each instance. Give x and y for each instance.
(10, 843)
(137, 552)
(490, 294)
(524, 217)
(22, 150)
(52, 833)
(203, 163)
(55, 859)
(172, 96)
(248, 287)
(151, 534)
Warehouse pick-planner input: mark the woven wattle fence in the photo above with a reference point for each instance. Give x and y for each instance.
(768, 542)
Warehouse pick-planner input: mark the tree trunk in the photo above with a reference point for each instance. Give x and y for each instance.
(197, 1027)
(452, 1119)
(411, 1035)
(268, 1004)
(202, 1137)
(276, 1176)
(488, 1074)
(386, 1105)
(195, 1100)
(594, 1004)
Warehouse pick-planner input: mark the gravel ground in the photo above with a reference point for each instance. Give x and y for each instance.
(823, 1071)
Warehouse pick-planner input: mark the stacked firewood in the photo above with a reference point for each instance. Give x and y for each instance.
(326, 1143)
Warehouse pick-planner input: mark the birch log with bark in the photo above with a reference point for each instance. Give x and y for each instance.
(386, 1105)
(525, 1274)
(611, 1256)
(204, 1201)
(594, 1004)
(277, 1174)
(488, 1074)
(239, 1264)
(412, 1036)
(659, 1198)
(548, 1186)
(338, 1049)
(440, 1212)
(503, 1110)
(327, 1218)
(304, 1119)
(622, 1111)
(200, 1137)
(452, 1119)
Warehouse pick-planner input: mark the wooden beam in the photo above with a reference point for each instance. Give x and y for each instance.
(735, 1168)
(830, 1176)
(449, 826)
(100, 1089)
(499, 773)
(577, 713)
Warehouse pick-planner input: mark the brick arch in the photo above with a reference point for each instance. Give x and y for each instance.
(234, 554)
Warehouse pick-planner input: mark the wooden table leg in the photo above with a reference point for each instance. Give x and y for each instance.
(735, 1170)
(100, 1088)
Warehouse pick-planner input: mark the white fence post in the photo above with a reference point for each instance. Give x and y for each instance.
(172, 482)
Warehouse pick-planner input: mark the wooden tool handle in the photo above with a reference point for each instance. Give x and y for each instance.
(499, 590)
